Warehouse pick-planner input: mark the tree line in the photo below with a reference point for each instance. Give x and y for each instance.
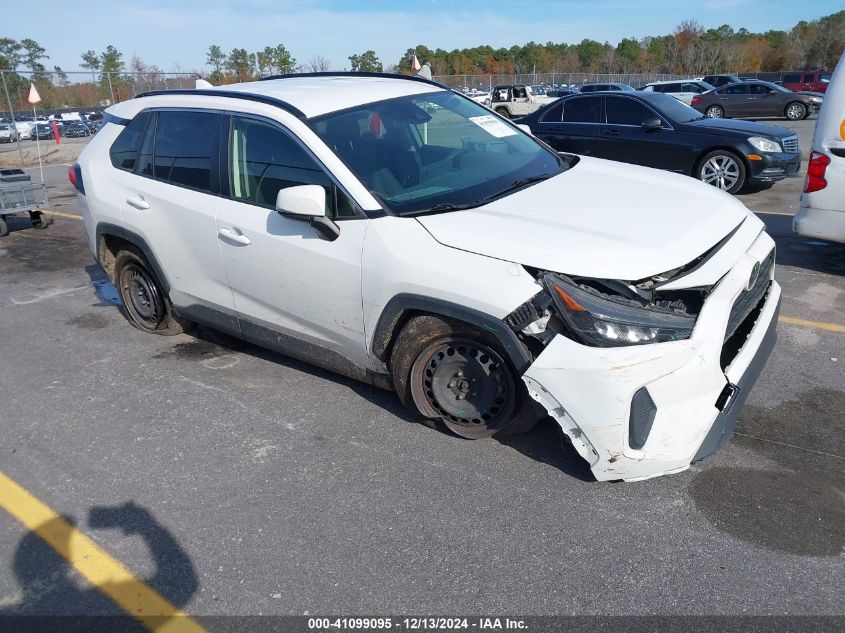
(689, 49)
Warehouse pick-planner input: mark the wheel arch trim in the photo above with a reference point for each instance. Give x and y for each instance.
(107, 229)
(397, 311)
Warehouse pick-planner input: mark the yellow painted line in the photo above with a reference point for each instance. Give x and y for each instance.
(61, 214)
(819, 325)
(105, 573)
(790, 215)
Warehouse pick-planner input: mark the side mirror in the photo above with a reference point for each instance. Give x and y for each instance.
(307, 203)
(652, 124)
(524, 128)
(302, 200)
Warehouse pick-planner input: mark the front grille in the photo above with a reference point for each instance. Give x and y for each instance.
(745, 312)
(790, 144)
(748, 300)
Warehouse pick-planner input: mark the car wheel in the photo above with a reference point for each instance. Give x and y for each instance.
(795, 111)
(722, 169)
(145, 303)
(456, 374)
(4, 228)
(503, 112)
(714, 112)
(39, 220)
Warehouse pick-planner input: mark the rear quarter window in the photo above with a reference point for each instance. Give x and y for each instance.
(124, 150)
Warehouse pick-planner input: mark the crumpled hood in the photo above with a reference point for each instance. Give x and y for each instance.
(598, 219)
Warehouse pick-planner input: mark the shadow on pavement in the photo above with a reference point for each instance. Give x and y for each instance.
(52, 596)
(798, 506)
(802, 252)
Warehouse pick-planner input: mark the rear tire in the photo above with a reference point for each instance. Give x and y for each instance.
(795, 111)
(722, 169)
(714, 112)
(452, 373)
(145, 303)
(503, 112)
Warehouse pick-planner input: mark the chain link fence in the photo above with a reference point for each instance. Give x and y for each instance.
(486, 82)
(81, 92)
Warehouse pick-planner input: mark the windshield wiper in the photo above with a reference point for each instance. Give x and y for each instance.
(518, 184)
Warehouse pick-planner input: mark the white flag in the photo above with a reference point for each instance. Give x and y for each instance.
(415, 64)
(34, 97)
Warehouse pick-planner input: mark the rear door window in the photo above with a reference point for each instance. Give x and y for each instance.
(735, 89)
(581, 110)
(622, 111)
(186, 148)
(809, 77)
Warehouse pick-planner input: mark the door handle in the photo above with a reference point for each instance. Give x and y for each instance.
(233, 236)
(138, 202)
(611, 132)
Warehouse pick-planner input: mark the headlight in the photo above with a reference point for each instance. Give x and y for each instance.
(816, 99)
(764, 144)
(604, 322)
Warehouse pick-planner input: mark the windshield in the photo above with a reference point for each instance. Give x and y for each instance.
(673, 109)
(436, 151)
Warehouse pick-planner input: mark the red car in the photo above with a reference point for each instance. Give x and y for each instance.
(807, 80)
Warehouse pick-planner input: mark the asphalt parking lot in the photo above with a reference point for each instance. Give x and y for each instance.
(235, 481)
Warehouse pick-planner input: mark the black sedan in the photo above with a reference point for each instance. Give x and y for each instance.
(656, 130)
(76, 129)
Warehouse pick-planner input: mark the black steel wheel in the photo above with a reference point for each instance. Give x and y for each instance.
(456, 374)
(145, 303)
(39, 220)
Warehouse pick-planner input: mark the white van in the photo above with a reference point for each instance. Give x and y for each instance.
(822, 212)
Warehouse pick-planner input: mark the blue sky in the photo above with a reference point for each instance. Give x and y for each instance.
(174, 34)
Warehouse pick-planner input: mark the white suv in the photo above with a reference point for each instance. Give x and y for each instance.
(398, 232)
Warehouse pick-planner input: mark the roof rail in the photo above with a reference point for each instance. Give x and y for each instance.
(338, 73)
(232, 94)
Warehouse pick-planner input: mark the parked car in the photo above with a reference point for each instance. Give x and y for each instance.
(757, 99)
(656, 130)
(448, 255)
(807, 81)
(721, 80)
(821, 214)
(512, 101)
(76, 129)
(606, 87)
(556, 93)
(24, 130)
(8, 133)
(42, 130)
(681, 90)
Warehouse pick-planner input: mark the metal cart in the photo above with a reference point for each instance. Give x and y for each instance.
(19, 195)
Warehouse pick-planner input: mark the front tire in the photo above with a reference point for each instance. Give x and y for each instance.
(722, 169)
(503, 112)
(714, 112)
(795, 111)
(451, 372)
(145, 303)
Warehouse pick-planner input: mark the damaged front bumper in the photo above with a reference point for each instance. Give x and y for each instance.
(676, 401)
